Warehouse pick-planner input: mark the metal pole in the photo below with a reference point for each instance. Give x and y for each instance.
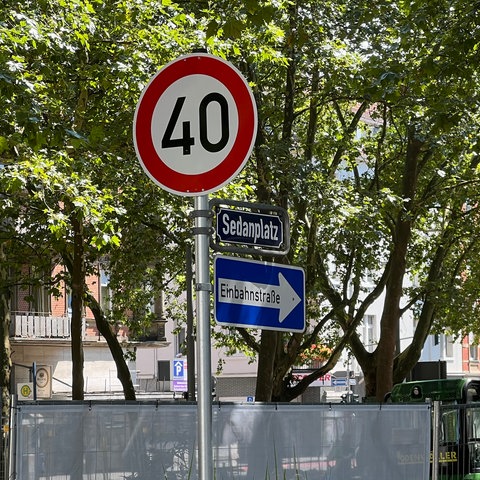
(435, 438)
(11, 438)
(190, 334)
(203, 287)
(34, 380)
(348, 379)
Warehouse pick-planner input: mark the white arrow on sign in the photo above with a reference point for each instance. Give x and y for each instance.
(179, 368)
(282, 297)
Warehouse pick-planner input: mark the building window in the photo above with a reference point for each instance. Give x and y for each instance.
(105, 292)
(473, 347)
(448, 340)
(180, 342)
(68, 302)
(369, 336)
(40, 301)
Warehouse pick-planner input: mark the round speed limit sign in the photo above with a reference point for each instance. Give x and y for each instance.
(195, 125)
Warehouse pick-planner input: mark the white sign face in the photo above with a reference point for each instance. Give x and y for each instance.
(210, 119)
(195, 125)
(44, 381)
(324, 381)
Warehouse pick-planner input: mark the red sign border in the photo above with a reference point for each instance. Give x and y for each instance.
(206, 182)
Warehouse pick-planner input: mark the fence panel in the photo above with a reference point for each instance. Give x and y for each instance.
(153, 441)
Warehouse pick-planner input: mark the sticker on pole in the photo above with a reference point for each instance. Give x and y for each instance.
(195, 125)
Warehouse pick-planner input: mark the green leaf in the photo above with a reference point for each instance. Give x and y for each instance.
(3, 144)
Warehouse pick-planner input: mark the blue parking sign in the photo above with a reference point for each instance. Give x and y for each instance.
(178, 369)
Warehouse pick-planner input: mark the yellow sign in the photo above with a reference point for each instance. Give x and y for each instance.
(25, 391)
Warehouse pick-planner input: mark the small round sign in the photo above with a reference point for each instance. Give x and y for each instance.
(195, 125)
(26, 390)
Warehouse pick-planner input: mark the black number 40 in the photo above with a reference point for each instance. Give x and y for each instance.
(186, 140)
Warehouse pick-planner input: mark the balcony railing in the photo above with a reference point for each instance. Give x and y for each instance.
(38, 325)
(30, 325)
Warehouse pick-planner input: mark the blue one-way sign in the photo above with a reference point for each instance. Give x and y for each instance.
(265, 295)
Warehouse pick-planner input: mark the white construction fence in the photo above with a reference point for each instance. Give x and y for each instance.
(157, 441)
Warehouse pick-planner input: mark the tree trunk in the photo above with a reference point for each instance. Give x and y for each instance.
(386, 350)
(78, 293)
(123, 373)
(5, 353)
(266, 363)
(407, 359)
(370, 379)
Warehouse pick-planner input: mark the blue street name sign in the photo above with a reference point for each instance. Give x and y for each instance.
(264, 295)
(248, 228)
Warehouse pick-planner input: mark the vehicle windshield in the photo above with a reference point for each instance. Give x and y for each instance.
(473, 410)
(473, 423)
(449, 432)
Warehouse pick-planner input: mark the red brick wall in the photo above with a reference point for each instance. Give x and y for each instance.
(465, 355)
(468, 365)
(59, 304)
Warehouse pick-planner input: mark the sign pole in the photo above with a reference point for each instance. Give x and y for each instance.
(197, 106)
(203, 288)
(191, 395)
